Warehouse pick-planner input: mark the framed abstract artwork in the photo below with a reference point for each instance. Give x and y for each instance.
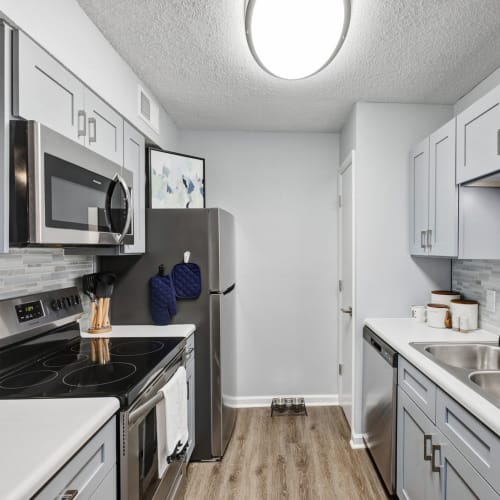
(175, 180)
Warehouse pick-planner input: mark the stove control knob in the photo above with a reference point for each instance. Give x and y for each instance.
(55, 305)
(77, 299)
(68, 301)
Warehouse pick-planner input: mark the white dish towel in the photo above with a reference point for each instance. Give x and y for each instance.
(172, 418)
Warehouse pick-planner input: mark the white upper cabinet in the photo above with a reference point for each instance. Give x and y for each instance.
(419, 198)
(104, 132)
(443, 193)
(45, 91)
(478, 138)
(434, 195)
(134, 157)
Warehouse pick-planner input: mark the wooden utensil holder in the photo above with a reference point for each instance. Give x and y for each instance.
(99, 316)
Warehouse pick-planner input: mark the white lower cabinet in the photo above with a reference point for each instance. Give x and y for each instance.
(415, 478)
(429, 466)
(90, 474)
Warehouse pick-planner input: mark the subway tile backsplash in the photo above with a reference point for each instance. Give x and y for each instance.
(26, 271)
(472, 278)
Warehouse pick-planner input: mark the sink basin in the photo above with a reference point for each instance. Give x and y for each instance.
(477, 365)
(488, 381)
(467, 356)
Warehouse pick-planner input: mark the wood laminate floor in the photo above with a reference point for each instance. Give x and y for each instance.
(306, 458)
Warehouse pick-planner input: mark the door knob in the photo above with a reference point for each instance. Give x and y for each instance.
(347, 310)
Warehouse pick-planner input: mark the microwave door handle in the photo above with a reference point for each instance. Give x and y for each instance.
(128, 203)
(118, 179)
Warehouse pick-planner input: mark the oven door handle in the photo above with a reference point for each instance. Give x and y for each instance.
(136, 414)
(150, 403)
(118, 179)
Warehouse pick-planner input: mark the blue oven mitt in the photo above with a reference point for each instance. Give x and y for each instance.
(162, 298)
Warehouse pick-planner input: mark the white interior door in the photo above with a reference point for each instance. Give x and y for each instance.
(346, 285)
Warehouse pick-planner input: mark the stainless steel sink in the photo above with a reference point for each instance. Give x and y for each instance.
(488, 382)
(468, 356)
(475, 364)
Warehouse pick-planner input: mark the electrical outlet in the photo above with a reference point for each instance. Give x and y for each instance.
(491, 300)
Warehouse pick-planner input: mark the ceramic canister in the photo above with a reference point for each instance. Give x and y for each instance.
(438, 316)
(444, 297)
(464, 315)
(418, 313)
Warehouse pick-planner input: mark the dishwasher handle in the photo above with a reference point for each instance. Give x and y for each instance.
(383, 349)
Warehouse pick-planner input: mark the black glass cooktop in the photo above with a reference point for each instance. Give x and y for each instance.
(62, 364)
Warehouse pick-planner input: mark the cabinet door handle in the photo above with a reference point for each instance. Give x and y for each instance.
(427, 438)
(429, 238)
(82, 119)
(69, 495)
(422, 238)
(435, 466)
(498, 142)
(92, 124)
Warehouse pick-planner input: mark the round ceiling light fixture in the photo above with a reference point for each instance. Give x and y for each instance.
(294, 39)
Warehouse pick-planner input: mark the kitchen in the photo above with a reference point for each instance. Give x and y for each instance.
(408, 92)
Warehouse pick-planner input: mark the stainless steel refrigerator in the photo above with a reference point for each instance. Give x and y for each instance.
(209, 235)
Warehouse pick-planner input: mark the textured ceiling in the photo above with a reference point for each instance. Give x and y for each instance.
(194, 56)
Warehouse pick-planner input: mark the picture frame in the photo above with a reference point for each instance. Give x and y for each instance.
(175, 180)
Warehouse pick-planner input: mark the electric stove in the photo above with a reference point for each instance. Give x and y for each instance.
(57, 363)
(42, 355)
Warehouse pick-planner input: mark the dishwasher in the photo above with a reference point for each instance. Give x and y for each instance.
(380, 378)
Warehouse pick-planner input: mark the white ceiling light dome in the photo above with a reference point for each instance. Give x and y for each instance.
(294, 39)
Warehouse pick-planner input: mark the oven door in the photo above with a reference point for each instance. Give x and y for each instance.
(139, 472)
(77, 197)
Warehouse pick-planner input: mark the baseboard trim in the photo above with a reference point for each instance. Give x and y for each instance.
(357, 441)
(265, 401)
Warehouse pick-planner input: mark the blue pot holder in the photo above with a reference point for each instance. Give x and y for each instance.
(187, 280)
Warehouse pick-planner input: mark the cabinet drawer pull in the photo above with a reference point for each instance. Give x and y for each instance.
(82, 119)
(422, 238)
(498, 142)
(69, 495)
(427, 438)
(92, 124)
(435, 466)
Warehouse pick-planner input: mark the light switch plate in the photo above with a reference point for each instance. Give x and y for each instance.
(491, 300)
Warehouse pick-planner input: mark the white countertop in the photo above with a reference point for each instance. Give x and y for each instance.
(38, 437)
(134, 331)
(399, 332)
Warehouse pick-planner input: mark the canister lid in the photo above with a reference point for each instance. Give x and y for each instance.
(465, 302)
(444, 292)
(438, 306)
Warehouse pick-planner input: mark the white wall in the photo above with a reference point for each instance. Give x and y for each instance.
(388, 279)
(64, 30)
(281, 187)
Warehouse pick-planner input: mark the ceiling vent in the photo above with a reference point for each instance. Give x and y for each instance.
(148, 110)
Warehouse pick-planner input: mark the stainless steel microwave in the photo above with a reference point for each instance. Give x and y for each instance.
(63, 194)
